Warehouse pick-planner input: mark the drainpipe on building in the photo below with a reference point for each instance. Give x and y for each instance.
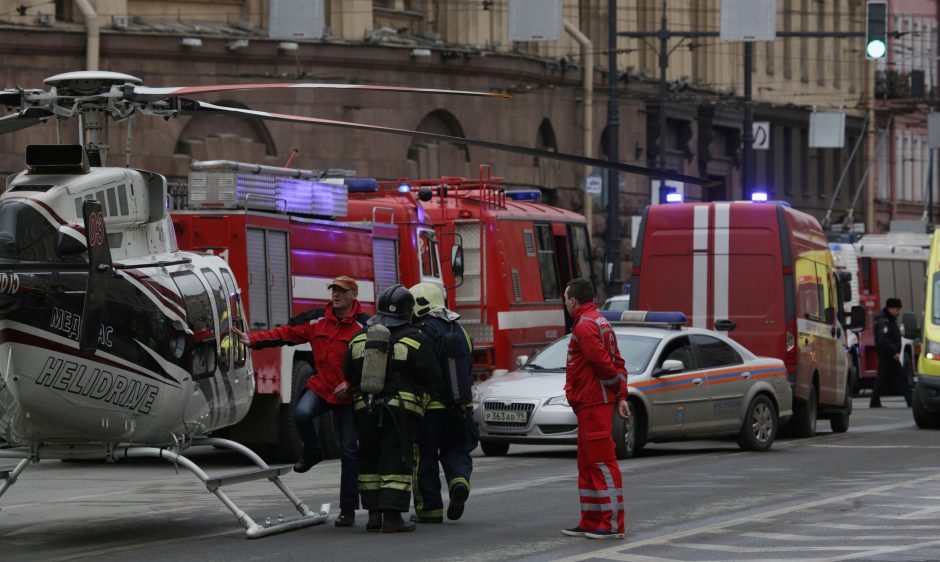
(92, 34)
(587, 108)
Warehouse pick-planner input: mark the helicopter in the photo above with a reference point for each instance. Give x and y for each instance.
(113, 342)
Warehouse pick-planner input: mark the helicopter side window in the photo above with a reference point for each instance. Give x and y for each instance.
(240, 350)
(26, 235)
(201, 359)
(225, 331)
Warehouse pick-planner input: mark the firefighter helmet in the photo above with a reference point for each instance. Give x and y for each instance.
(395, 306)
(428, 298)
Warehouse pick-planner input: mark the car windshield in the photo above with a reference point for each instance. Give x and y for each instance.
(635, 350)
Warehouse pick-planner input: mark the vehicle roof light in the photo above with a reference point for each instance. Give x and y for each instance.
(643, 317)
(464, 214)
(759, 197)
(361, 185)
(673, 198)
(404, 188)
(524, 194)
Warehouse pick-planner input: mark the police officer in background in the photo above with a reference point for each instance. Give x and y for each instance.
(391, 364)
(448, 433)
(888, 345)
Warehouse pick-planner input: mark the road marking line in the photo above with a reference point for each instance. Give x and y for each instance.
(885, 550)
(747, 549)
(877, 446)
(663, 539)
(855, 527)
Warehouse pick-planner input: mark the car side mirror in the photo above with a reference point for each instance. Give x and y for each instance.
(669, 366)
(856, 319)
(522, 360)
(456, 260)
(909, 325)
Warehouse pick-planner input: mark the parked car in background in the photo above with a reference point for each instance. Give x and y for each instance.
(618, 303)
(684, 383)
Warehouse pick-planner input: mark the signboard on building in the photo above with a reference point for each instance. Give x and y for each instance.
(761, 130)
(296, 19)
(933, 130)
(826, 129)
(748, 20)
(535, 20)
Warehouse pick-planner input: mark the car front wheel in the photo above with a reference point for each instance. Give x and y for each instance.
(760, 425)
(624, 436)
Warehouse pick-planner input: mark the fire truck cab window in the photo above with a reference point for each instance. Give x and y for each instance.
(547, 267)
(427, 252)
(202, 359)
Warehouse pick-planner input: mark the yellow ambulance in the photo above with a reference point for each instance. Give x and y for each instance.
(926, 403)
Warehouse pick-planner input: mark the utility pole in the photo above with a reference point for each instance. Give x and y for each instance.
(748, 164)
(612, 264)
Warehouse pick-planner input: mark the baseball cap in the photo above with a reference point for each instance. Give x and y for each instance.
(344, 282)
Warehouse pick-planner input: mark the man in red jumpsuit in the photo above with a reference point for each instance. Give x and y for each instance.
(596, 384)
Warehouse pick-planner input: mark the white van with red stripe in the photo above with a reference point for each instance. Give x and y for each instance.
(764, 272)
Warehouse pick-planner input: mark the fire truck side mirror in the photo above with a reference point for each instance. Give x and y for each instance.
(856, 319)
(456, 260)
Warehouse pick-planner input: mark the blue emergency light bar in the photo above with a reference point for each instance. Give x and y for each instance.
(524, 195)
(361, 185)
(673, 198)
(645, 317)
(759, 197)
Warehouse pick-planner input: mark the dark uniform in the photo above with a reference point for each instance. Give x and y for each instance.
(890, 373)
(387, 422)
(448, 433)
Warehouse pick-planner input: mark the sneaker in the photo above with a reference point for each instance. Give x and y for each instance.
(574, 532)
(345, 519)
(306, 463)
(458, 497)
(602, 534)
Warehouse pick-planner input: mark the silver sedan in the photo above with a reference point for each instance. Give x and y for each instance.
(684, 383)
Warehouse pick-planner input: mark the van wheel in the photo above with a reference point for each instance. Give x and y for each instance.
(923, 418)
(840, 422)
(804, 415)
(855, 376)
(760, 425)
(494, 448)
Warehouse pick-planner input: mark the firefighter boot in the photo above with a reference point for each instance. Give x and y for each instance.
(458, 497)
(375, 521)
(392, 522)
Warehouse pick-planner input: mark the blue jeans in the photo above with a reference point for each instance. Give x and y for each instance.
(309, 407)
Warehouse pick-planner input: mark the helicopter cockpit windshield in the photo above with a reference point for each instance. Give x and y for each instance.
(28, 236)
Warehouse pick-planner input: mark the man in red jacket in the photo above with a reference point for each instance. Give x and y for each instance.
(328, 330)
(596, 383)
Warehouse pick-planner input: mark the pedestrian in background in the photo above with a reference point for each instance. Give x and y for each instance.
(328, 331)
(595, 384)
(888, 345)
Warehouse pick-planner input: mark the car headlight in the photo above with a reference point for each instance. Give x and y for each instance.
(558, 401)
(933, 350)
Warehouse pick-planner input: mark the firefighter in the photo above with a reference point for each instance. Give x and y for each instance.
(448, 433)
(328, 330)
(595, 383)
(390, 364)
(888, 344)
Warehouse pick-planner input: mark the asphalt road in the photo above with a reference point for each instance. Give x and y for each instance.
(870, 494)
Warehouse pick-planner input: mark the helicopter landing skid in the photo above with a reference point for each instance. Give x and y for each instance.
(253, 530)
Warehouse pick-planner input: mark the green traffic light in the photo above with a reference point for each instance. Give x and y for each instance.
(876, 49)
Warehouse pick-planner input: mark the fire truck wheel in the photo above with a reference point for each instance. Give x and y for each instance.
(494, 448)
(803, 423)
(760, 425)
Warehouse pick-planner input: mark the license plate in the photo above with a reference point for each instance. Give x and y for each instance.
(504, 416)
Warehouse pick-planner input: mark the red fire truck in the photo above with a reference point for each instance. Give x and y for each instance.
(891, 265)
(510, 257)
(277, 228)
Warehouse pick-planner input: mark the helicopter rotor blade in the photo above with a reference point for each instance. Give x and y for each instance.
(143, 93)
(23, 119)
(186, 106)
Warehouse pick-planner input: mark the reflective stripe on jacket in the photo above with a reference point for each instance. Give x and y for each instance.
(595, 373)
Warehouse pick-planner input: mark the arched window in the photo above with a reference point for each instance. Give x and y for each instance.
(224, 137)
(432, 159)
